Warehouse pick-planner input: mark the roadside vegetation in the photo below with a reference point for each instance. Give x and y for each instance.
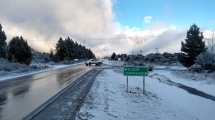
(19, 51)
(195, 54)
(67, 49)
(192, 47)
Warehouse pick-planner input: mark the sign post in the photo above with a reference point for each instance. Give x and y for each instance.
(143, 84)
(127, 83)
(136, 71)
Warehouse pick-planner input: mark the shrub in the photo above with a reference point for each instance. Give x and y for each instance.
(206, 60)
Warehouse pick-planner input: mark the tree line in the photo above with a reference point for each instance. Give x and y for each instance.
(18, 50)
(67, 49)
(193, 51)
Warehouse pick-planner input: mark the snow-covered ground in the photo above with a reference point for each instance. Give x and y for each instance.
(19, 73)
(202, 81)
(108, 100)
(9, 70)
(113, 63)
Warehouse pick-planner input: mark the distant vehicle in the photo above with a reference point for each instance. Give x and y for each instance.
(93, 62)
(76, 60)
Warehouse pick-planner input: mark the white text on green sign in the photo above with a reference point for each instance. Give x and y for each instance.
(136, 71)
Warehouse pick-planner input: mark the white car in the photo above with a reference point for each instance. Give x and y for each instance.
(76, 60)
(93, 62)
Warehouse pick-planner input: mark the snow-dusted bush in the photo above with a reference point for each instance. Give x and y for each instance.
(206, 60)
(7, 67)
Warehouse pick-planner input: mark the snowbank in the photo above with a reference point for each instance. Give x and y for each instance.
(9, 70)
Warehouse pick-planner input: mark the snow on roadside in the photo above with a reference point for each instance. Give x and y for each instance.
(113, 63)
(201, 108)
(108, 100)
(10, 70)
(195, 80)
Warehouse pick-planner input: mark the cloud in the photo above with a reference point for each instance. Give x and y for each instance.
(90, 22)
(148, 19)
(42, 22)
(162, 37)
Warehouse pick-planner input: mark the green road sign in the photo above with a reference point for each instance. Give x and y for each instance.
(136, 71)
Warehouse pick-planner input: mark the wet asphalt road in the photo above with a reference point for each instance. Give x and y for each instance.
(21, 96)
(67, 102)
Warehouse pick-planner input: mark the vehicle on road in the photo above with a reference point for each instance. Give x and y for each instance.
(76, 60)
(93, 62)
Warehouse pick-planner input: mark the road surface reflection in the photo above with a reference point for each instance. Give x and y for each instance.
(21, 96)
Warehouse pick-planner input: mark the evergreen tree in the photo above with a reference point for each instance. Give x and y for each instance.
(51, 54)
(90, 54)
(68, 50)
(192, 47)
(3, 44)
(19, 51)
(69, 43)
(60, 50)
(113, 56)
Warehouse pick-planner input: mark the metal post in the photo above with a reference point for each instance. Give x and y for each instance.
(127, 83)
(143, 84)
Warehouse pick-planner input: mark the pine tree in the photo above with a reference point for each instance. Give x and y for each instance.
(19, 51)
(51, 54)
(69, 44)
(68, 50)
(113, 56)
(60, 50)
(192, 47)
(3, 44)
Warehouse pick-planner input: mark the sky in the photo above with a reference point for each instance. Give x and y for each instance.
(177, 12)
(106, 26)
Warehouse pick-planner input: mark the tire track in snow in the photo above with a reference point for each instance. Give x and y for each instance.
(189, 89)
